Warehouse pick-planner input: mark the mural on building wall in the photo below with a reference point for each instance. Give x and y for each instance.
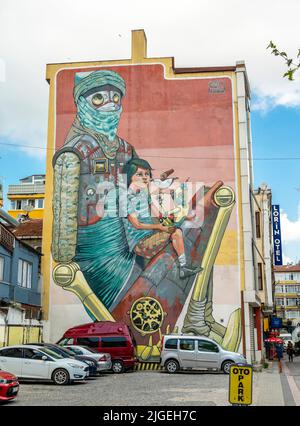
(134, 244)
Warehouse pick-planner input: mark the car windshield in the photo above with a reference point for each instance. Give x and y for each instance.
(51, 353)
(67, 351)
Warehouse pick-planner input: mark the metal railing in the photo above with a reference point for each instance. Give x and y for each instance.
(26, 188)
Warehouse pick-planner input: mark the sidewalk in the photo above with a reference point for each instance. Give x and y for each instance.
(273, 389)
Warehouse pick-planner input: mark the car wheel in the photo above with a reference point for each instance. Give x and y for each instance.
(61, 377)
(118, 367)
(172, 366)
(226, 366)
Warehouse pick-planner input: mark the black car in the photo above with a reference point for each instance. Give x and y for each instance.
(66, 353)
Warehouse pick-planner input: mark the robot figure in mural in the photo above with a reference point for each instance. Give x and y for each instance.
(91, 245)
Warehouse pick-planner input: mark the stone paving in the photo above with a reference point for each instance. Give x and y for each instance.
(154, 388)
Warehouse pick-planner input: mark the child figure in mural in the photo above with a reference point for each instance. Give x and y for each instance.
(146, 235)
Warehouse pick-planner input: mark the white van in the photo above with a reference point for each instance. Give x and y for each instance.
(196, 352)
(286, 337)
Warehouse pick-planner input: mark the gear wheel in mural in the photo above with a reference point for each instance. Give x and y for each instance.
(146, 315)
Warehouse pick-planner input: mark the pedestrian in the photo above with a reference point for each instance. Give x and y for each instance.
(290, 351)
(279, 353)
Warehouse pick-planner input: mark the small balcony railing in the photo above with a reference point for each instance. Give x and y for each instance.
(26, 188)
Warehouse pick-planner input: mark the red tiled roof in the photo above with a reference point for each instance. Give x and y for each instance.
(287, 268)
(31, 228)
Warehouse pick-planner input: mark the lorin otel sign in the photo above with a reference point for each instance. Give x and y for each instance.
(276, 234)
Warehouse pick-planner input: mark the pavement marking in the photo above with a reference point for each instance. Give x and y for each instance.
(292, 384)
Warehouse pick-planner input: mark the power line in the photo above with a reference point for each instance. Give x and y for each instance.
(169, 156)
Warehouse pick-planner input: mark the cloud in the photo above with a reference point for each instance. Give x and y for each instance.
(290, 233)
(202, 33)
(286, 259)
(290, 230)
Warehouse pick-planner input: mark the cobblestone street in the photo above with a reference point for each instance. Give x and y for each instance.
(153, 388)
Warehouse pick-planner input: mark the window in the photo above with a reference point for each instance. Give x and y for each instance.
(205, 346)
(40, 203)
(257, 224)
(171, 344)
(66, 341)
(279, 289)
(76, 351)
(24, 274)
(51, 353)
(13, 205)
(11, 352)
(92, 342)
(259, 276)
(1, 268)
(32, 354)
(279, 301)
(19, 204)
(113, 342)
(292, 314)
(291, 302)
(187, 344)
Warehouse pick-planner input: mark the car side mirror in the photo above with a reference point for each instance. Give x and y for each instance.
(44, 358)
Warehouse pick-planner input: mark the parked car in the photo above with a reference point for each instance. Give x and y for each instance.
(66, 353)
(114, 338)
(103, 359)
(196, 352)
(9, 386)
(34, 362)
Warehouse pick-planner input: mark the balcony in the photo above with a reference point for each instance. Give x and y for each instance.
(15, 294)
(7, 240)
(27, 296)
(26, 188)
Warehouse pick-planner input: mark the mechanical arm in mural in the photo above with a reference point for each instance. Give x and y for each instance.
(91, 250)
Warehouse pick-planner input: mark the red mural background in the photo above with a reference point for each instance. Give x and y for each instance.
(175, 123)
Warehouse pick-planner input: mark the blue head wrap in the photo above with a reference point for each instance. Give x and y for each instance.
(104, 122)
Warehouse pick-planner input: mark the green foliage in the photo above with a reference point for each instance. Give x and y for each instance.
(292, 67)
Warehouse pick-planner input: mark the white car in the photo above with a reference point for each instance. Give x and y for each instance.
(33, 362)
(103, 359)
(196, 352)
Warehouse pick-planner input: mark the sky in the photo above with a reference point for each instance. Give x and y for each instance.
(196, 33)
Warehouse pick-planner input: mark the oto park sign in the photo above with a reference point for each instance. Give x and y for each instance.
(240, 384)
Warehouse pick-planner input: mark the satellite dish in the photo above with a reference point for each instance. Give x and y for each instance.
(28, 208)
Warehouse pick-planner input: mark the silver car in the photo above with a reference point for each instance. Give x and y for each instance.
(103, 359)
(196, 352)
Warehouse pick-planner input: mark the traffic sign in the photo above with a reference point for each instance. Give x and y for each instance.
(240, 384)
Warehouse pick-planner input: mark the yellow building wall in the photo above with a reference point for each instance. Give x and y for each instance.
(34, 214)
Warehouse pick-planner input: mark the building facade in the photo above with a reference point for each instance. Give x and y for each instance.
(264, 251)
(20, 288)
(192, 128)
(287, 293)
(27, 198)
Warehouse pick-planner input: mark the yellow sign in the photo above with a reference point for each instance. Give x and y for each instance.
(240, 384)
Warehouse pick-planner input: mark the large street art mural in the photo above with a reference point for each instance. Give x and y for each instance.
(142, 199)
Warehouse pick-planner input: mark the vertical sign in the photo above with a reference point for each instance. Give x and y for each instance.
(276, 235)
(240, 384)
